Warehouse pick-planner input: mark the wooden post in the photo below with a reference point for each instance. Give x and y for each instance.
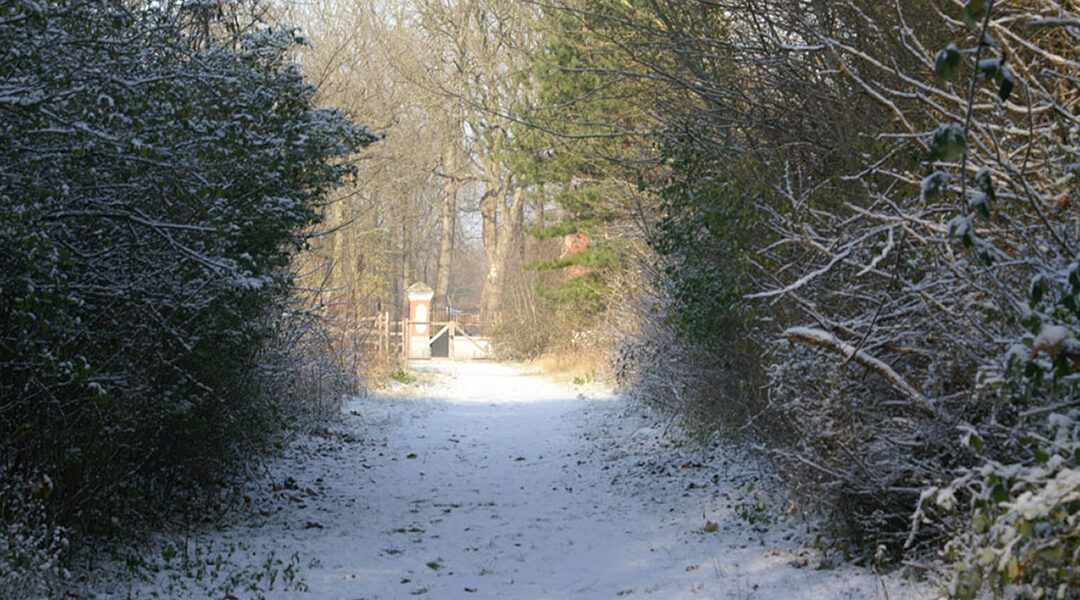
(450, 339)
(386, 335)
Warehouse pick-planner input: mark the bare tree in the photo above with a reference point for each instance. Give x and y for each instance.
(484, 45)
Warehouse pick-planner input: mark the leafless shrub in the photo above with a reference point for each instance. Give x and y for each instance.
(906, 263)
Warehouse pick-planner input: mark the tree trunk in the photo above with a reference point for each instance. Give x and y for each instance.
(406, 271)
(489, 213)
(446, 243)
(507, 248)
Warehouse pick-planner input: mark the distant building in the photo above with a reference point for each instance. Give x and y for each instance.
(572, 244)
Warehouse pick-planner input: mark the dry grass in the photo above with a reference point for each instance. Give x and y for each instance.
(577, 366)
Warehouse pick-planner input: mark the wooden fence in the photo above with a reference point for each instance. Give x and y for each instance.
(453, 339)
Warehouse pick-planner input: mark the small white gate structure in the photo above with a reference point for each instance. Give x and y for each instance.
(419, 321)
(420, 337)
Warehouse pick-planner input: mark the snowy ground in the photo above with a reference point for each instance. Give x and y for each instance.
(483, 481)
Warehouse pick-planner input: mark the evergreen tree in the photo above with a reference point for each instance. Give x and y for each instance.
(582, 132)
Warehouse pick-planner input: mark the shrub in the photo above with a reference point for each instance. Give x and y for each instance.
(1022, 536)
(154, 184)
(32, 549)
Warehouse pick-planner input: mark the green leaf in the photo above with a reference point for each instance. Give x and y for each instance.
(946, 62)
(949, 143)
(999, 493)
(932, 185)
(960, 228)
(1041, 456)
(1013, 569)
(980, 205)
(973, 11)
(1006, 83)
(1039, 286)
(994, 69)
(986, 184)
(1053, 554)
(1032, 322)
(990, 67)
(979, 523)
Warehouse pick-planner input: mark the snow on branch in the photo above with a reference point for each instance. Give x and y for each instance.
(802, 280)
(889, 245)
(828, 341)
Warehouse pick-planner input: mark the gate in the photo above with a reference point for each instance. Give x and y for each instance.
(454, 340)
(450, 339)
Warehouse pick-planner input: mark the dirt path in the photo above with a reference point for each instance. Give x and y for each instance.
(480, 481)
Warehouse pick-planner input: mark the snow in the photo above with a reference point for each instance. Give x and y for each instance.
(484, 480)
(990, 65)
(932, 184)
(1050, 339)
(959, 227)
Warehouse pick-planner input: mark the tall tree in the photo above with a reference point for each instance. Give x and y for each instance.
(448, 219)
(484, 46)
(373, 60)
(580, 147)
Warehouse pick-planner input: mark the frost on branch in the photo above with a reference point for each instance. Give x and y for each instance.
(916, 238)
(1022, 536)
(826, 340)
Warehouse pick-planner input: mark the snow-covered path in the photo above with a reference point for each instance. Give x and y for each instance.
(482, 481)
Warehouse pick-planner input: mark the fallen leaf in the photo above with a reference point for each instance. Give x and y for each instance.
(470, 590)
(313, 525)
(711, 527)
(411, 456)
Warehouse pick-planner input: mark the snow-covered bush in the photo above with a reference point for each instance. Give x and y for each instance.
(157, 170)
(32, 550)
(946, 266)
(1022, 537)
(882, 198)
